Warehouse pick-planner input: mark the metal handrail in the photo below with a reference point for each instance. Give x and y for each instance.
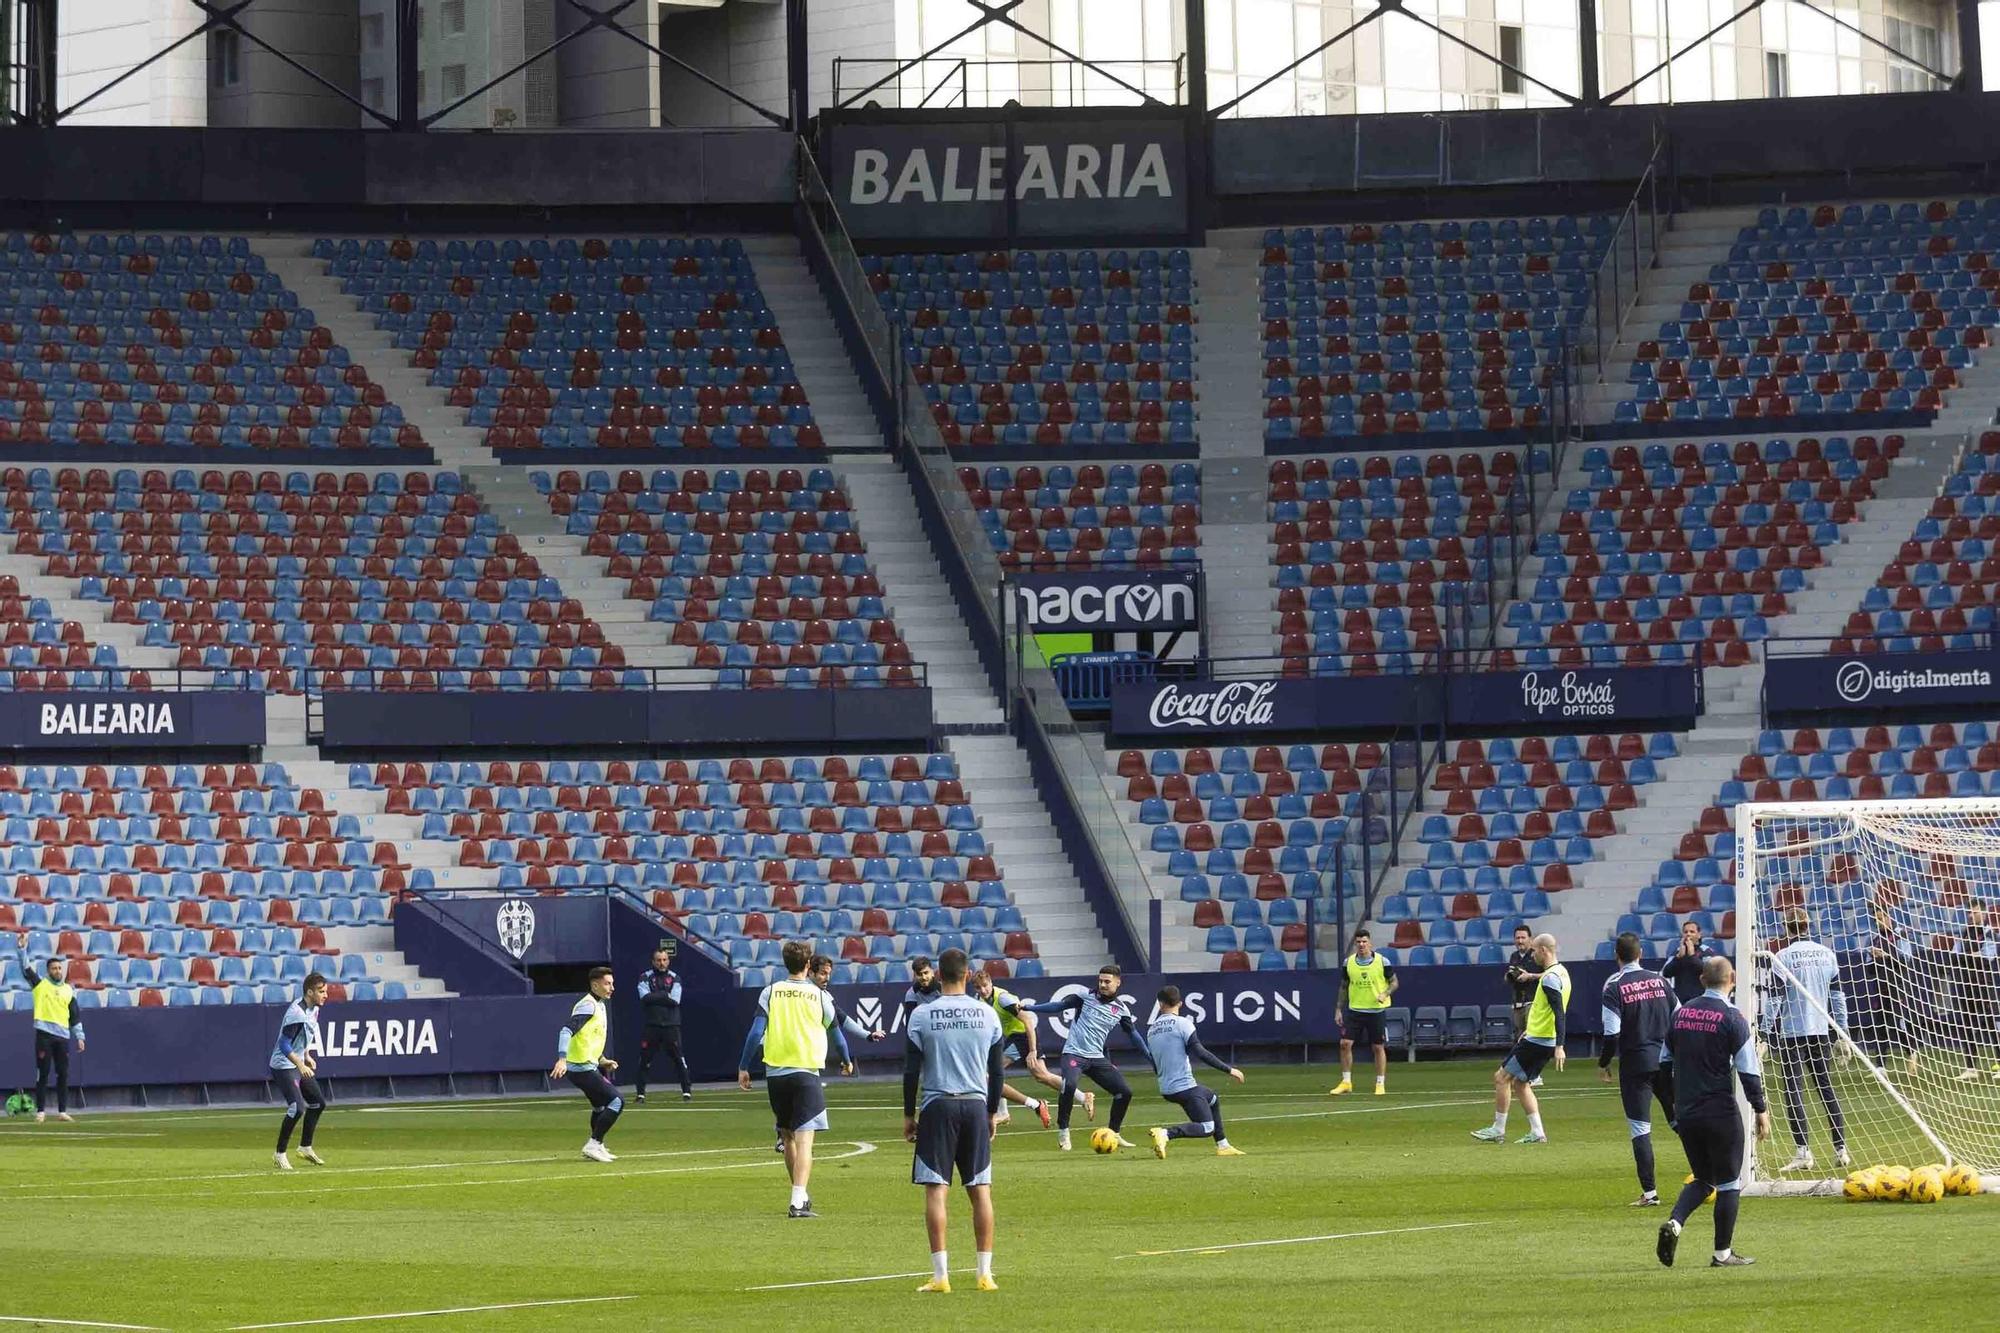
(962, 68)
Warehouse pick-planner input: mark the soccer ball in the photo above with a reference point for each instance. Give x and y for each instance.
(1103, 1141)
(1926, 1184)
(1962, 1179)
(1892, 1183)
(1860, 1186)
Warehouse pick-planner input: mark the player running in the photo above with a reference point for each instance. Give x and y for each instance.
(1172, 1039)
(1542, 1041)
(790, 1029)
(295, 1069)
(820, 969)
(1638, 1010)
(1710, 1041)
(952, 1053)
(1017, 1041)
(1367, 981)
(580, 1058)
(57, 1024)
(1097, 1016)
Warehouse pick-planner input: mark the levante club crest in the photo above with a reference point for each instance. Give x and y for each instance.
(516, 924)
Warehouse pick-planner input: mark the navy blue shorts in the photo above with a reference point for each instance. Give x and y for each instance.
(953, 1134)
(1366, 1027)
(590, 1081)
(797, 1101)
(1527, 1060)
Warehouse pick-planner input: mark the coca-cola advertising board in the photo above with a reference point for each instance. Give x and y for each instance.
(1205, 707)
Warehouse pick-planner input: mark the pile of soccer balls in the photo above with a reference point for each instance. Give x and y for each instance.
(1902, 1184)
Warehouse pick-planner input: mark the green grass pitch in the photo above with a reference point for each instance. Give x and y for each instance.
(176, 1220)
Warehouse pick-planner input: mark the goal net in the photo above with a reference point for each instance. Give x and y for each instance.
(1907, 896)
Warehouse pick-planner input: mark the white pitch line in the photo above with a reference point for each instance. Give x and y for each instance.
(425, 1314)
(73, 1323)
(77, 1134)
(848, 1281)
(1302, 1240)
(769, 1159)
(415, 1165)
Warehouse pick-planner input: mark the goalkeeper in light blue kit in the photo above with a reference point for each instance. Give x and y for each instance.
(1172, 1039)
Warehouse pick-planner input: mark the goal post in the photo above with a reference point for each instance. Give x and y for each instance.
(1899, 891)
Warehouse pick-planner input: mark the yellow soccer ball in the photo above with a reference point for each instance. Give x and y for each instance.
(1926, 1184)
(1892, 1183)
(1103, 1141)
(1974, 1183)
(1860, 1186)
(1954, 1178)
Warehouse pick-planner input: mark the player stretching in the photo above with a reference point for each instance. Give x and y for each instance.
(1807, 992)
(1017, 1041)
(793, 1020)
(952, 1052)
(1542, 1041)
(1709, 1042)
(1097, 1016)
(1638, 1010)
(1367, 980)
(57, 1024)
(295, 1069)
(1172, 1039)
(580, 1058)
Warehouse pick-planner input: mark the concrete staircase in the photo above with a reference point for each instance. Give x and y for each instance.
(1236, 560)
(455, 443)
(1229, 346)
(1037, 871)
(819, 355)
(913, 582)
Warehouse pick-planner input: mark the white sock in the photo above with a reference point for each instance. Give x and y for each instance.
(1535, 1123)
(1722, 1254)
(986, 1263)
(1034, 1106)
(1222, 1143)
(1675, 1225)
(592, 1143)
(1380, 1079)
(940, 1265)
(1500, 1121)
(798, 1196)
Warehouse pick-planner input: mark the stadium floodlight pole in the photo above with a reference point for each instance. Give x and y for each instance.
(1971, 60)
(1382, 7)
(1749, 8)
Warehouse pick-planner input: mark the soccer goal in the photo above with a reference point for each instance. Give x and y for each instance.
(1897, 889)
